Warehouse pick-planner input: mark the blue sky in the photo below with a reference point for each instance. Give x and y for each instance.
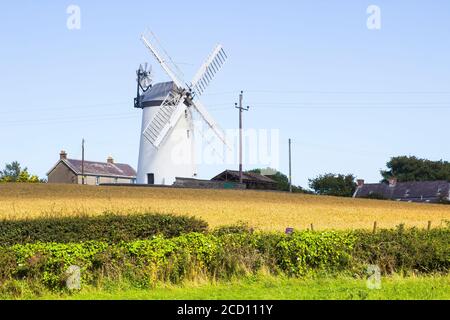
(349, 97)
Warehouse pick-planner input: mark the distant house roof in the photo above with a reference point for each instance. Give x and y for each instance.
(415, 191)
(233, 175)
(99, 168)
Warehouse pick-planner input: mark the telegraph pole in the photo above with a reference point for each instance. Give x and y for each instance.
(290, 165)
(241, 109)
(82, 162)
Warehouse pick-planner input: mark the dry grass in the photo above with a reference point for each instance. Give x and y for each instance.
(263, 210)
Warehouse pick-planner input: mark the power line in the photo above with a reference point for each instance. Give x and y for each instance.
(309, 105)
(333, 92)
(352, 102)
(28, 108)
(330, 107)
(69, 120)
(379, 107)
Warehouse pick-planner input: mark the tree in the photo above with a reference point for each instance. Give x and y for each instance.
(334, 185)
(281, 179)
(415, 169)
(14, 173)
(11, 171)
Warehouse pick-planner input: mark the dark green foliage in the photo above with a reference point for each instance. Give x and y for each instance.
(405, 249)
(444, 200)
(8, 263)
(13, 172)
(415, 169)
(145, 262)
(298, 253)
(108, 228)
(375, 196)
(239, 228)
(331, 184)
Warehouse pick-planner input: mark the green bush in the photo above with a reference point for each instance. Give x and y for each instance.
(145, 262)
(239, 228)
(8, 263)
(108, 227)
(228, 255)
(405, 249)
(302, 251)
(238, 254)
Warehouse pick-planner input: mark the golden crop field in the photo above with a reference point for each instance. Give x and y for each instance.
(262, 210)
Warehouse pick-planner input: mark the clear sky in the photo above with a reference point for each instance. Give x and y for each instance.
(349, 97)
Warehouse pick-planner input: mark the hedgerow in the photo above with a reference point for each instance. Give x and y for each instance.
(110, 228)
(405, 249)
(325, 250)
(145, 262)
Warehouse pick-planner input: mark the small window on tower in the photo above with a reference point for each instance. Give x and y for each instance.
(186, 113)
(188, 134)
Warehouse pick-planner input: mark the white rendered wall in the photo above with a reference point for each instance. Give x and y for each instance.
(175, 155)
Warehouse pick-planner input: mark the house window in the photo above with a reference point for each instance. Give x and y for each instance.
(116, 180)
(97, 180)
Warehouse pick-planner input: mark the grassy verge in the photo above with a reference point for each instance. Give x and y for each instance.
(221, 256)
(271, 288)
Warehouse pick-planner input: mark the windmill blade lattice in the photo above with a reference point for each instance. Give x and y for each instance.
(164, 119)
(208, 70)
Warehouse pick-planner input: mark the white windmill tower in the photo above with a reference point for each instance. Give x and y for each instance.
(167, 138)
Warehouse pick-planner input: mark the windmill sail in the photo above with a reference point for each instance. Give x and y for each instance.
(171, 108)
(200, 108)
(166, 62)
(208, 70)
(167, 111)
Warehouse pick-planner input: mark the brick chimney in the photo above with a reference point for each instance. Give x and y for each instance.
(392, 182)
(110, 160)
(63, 155)
(360, 182)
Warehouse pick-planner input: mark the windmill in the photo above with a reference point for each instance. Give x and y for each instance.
(167, 136)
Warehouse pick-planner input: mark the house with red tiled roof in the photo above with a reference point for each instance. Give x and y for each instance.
(71, 171)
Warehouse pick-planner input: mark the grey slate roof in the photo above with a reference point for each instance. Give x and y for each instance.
(415, 191)
(101, 168)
